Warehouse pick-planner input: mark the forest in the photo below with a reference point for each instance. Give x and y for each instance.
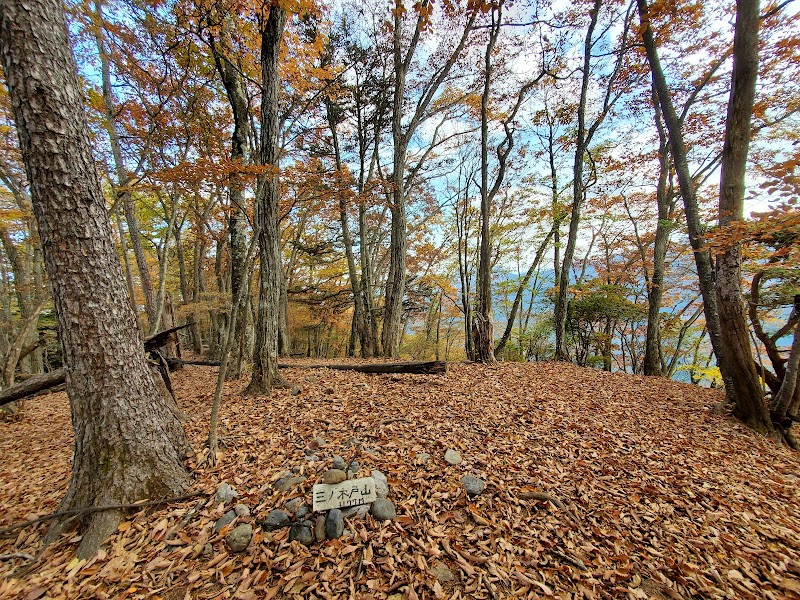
(217, 210)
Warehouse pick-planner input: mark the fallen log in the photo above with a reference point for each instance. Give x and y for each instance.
(33, 385)
(415, 368)
(40, 383)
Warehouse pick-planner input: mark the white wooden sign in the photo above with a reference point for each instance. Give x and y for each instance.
(347, 493)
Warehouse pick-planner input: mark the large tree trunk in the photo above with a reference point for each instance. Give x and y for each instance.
(705, 269)
(265, 354)
(746, 392)
(129, 445)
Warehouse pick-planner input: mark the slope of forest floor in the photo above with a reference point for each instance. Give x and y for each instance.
(662, 497)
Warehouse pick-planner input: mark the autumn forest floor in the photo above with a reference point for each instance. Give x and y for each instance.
(663, 498)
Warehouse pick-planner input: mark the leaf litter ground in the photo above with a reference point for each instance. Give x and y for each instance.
(660, 497)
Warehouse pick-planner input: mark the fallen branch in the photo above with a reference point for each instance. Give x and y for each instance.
(24, 555)
(545, 497)
(568, 559)
(419, 368)
(93, 509)
(390, 421)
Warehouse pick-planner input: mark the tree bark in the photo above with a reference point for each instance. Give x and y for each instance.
(265, 354)
(129, 445)
(578, 191)
(750, 406)
(705, 270)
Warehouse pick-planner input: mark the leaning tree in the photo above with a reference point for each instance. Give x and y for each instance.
(129, 444)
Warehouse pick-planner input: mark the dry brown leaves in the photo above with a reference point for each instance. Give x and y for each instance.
(661, 498)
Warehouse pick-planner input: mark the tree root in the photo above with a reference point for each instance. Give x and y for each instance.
(74, 512)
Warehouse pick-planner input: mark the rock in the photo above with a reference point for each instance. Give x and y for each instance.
(333, 476)
(334, 524)
(242, 510)
(295, 469)
(312, 458)
(381, 483)
(302, 512)
(442, 572)
(312, 378)
(287, 483)
(356, 512)
(295, 503)
(296, 390)
(338, 463)
(208, 549)
(225, 493)
(240, 537)
(224, 520)
(318, 442)
(422, 458)
(302, 532)
(383, 510)
(353, 441)
(319, 528)
(372, 452)
(451, 457)
(276, 519)
(472, 485)
(352, 469)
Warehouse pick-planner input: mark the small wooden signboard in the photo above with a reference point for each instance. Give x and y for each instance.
(347, 493)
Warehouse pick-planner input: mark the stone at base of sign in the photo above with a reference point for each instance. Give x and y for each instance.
(342, 495)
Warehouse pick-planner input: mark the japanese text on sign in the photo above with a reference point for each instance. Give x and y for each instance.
(341, 495)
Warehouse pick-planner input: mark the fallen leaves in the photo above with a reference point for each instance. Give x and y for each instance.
(598, 485)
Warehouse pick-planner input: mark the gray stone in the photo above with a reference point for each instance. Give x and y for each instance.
(334, 524)
(442, 573)
(295, 469)
(296, 390)
(225, 519)
(312, 458)
(240, 537)
(286, 484)
(319, 528)
(381, 483)
(302, 532)
(208, 549)
(333, 476)
(383, 510)
(372, 452)
(225, 493)
(242, 510)
(472, 485)
(423, 458)
(318, 442)
(356, 512)
(338, 463)
(276, 519)
(451, 457)
(295, 503)
(352, 469)
(302, 512)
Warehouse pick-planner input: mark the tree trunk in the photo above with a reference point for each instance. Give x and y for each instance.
(746, 392)
(652, 351)
(237, 222)
(578, 191)
(265, 354)
(705, 270)
(129, 445)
